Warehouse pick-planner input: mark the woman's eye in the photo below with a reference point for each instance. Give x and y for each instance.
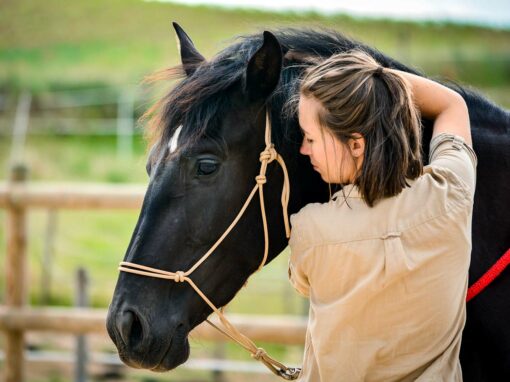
(308, 140)
(206, 167)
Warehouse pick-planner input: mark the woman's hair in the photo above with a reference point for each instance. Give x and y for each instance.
(360, 96)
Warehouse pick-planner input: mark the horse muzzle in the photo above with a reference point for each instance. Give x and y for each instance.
(144, 344)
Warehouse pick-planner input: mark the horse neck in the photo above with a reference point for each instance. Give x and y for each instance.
(484, 114)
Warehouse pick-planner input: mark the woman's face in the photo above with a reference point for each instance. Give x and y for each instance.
(328, 156)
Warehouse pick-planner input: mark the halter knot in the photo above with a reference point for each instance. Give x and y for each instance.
(269, 154)
(179, 277)
(259, 354)
(261, 179)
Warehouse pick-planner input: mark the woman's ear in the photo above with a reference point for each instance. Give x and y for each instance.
(357, 145)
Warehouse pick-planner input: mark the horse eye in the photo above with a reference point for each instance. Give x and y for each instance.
(148, 167)
(206, 167)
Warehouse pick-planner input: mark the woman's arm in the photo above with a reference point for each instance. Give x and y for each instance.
(445, 106)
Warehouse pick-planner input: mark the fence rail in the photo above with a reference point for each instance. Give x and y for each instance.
(71, 195)
(17, 197)
(48, 116)
(287, 330)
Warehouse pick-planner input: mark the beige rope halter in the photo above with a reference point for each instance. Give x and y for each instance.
(268, 155)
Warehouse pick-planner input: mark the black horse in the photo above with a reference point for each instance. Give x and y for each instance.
(214, 120)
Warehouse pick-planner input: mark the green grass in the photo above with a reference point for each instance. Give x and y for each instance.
(54, 44)
(82, 158)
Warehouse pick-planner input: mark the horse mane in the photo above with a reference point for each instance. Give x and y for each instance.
(197, 101)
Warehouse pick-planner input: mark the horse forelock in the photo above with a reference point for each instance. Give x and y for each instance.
(196, 102)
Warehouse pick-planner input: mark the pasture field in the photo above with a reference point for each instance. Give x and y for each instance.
(54, 45)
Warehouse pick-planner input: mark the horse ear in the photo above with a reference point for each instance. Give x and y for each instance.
(190, 57)
(264, 68)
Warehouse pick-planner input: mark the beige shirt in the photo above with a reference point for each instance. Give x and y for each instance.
(387, 285)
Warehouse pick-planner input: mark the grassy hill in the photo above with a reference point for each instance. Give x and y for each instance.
(54, 44)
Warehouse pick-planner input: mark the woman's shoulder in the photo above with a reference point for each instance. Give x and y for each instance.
(304, 223)
(453, 161)
(334, 222)
(310, 224)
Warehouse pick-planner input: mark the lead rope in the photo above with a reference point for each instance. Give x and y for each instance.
(268, 155)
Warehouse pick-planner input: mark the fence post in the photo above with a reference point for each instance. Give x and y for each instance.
(81, 341)
(19, 130)
(125, 124)
(15, 273)
(219, 351)
(47, 263)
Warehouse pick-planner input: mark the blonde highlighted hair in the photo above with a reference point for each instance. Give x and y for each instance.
(359, 96)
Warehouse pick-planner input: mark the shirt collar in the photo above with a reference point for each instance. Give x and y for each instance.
(349, 190)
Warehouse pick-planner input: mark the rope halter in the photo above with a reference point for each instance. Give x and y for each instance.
(269, 154)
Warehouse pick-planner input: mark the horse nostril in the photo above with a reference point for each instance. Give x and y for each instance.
(129, 327)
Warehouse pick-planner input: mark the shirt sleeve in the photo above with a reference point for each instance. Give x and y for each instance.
(452, 153)
(298, 254)
(298, 278)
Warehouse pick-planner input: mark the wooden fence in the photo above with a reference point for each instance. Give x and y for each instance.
(49, 118)
(17, 197)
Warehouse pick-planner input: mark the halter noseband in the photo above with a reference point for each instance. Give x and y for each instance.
(268, 155)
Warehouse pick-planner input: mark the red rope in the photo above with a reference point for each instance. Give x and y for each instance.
(489, 276)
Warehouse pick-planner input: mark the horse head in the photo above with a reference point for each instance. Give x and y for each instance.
(202, 168)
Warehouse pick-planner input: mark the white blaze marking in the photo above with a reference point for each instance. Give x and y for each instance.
(172, 144)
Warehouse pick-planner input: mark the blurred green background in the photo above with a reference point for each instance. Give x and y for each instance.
(81, 61)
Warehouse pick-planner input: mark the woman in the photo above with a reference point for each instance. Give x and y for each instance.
(385, 261)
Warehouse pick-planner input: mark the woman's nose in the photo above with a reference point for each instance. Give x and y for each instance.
(303, 150)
